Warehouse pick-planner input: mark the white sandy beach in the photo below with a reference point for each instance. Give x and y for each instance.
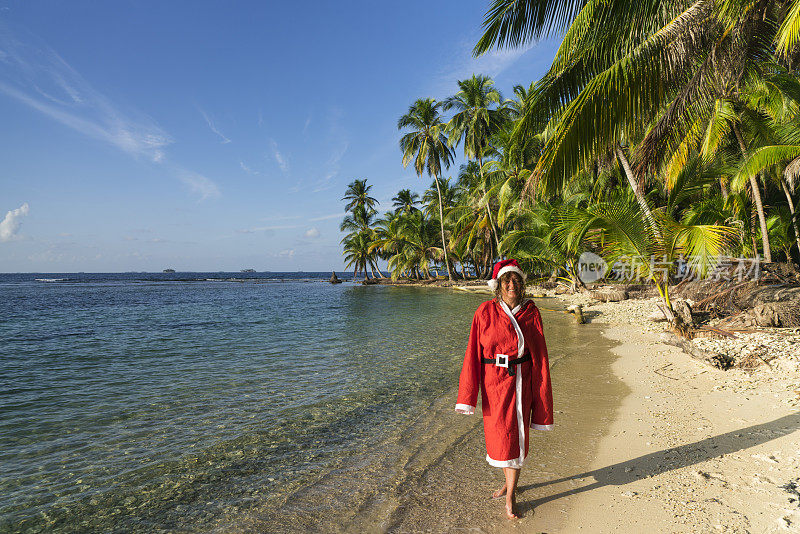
(692, 448)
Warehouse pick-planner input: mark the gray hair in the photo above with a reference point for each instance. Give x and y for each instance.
(498, 294)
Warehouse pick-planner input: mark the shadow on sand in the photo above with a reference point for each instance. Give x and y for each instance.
(668, 459)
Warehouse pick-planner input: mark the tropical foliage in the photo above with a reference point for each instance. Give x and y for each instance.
(665, 130)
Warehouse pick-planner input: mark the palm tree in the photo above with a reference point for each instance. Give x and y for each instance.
(471, 224)
(357, 194)
(359, 225)
(420, 247)
(357, 252)
(480, 113)
(654, 69)
(630, 244)
(405, 201)
(427, 145)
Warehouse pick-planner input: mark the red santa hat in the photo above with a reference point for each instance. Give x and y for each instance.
(502, 267)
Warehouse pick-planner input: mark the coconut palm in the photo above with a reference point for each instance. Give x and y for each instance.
(405, 201)
(357, 252)
(660, 81)
(768, 156)
(426, 145)
(631, 245)
(357, 194)
(420, 247)
(480, 113)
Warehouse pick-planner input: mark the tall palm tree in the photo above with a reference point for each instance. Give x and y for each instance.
(405, 201)
(480, 113)
(357, 252)
(357, 194)
(426, 144)
(420, 247)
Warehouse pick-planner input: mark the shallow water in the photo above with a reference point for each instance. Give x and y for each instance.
(135, 404)
(428, 473)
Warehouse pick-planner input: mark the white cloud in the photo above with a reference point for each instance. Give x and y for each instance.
(340, 215)
(199, 184)
(282, 163)
(214, 129)
(464, 65)
(267, 228)
(247, 169)
(34, 74)
(312, 233)
(288, 253)
(10, 224)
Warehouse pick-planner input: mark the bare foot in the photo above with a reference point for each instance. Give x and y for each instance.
(499, 493)
(510, 509)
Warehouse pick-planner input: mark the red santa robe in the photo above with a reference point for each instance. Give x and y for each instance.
(511, 404)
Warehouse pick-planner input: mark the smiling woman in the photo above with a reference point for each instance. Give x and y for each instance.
(506, 358)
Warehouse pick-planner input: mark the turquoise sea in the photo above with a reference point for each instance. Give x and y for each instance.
(197, 401)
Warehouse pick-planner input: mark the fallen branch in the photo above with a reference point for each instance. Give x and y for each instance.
(716, 295)
(724, 333)
(720, 361)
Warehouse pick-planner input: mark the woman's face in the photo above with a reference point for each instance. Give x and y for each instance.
(511, 287)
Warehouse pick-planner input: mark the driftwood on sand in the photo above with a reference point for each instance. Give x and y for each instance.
(770, 299)
(577, 311)
(609, 296)
(720, 361)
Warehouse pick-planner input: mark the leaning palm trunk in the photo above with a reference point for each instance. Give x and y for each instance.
(441, 222)
(636, 190)
(794, 215)
(489, 211)
(757, 199)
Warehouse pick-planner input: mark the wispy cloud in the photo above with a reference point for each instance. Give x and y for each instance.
(34, 74)
(463, 65)
(282, 218)
(214, 129)
(199, 184)
(282, 163)
(9, 226)
(340, 143)
(267, 228)
(312, 233)
(288, 253)
(247, 169)
(307, 124)
(340, 215)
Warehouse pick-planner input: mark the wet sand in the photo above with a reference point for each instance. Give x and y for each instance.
(453, 494)
(431, 476)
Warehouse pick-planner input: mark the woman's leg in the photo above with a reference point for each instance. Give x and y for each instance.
(502, 491)
(512, 476)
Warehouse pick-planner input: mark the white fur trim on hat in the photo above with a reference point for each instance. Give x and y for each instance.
(507, 269)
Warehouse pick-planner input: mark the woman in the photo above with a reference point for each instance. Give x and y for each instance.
(507, 359)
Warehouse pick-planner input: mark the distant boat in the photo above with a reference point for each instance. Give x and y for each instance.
(169, 270)
(248, 270)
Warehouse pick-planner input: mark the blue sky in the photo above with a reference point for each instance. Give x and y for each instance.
(214, 136)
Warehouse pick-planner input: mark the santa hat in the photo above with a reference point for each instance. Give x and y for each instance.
(503, 267)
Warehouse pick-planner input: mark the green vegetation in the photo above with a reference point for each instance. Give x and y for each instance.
(663, 130)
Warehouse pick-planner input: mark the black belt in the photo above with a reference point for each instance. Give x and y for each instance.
(501, 360)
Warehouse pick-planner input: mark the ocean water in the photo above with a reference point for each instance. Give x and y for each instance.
(198, 401)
